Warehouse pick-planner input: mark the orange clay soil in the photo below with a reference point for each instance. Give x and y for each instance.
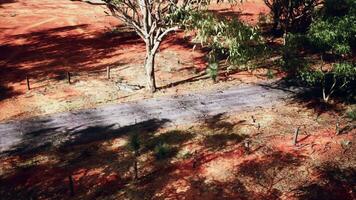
(225, 157)
(45, 39)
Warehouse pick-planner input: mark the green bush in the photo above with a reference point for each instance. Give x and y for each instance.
(134, 143)
(291, 61)
(228, 39)
(335, 28)
(269, 74)
(351, 114)
(162, 151)
(340, 79)
(212, 70)
(291, 15)
(333, 31)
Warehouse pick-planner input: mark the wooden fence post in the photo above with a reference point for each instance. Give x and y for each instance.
(68, 77)
(295, 139)
(71, 185)
(28, 83)
(108, 72)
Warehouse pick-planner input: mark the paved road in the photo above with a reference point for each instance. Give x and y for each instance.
(84, 126)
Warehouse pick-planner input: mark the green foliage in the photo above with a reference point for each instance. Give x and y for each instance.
(351, 114)
(291, 62)
(270, 74)
(162, 151)
(212, 70)
(345, 71)
(228, 39)
(312, 78)
(335, 34)
(291, 15)
(335, 29)
(341, 78)
(134, 143)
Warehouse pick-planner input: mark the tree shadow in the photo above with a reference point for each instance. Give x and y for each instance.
(101, 171)
(53, 137)
(7, 92)
(223, 133)
(228, 13)
(174, 137)
(6, 2)
(221, 140)
(333, 183)
(53, 51)
(201, 76)
(308, 97)
(269, 171)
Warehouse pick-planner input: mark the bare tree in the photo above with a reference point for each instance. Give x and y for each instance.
(152, 21)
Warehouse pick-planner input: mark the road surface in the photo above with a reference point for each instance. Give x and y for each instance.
(62, 129)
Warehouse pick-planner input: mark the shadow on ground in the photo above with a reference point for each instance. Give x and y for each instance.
(79, 154)
(332, 183)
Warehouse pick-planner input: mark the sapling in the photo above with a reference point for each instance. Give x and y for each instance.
(135, 145)
(162, 151)
(212, 71)
(337, 126)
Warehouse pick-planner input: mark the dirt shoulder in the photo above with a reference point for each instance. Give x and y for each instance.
(241, 155)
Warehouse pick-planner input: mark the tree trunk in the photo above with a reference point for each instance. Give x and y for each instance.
(150, 74)
(135, 169)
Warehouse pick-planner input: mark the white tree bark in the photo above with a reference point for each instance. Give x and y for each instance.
(150, 72)
(147, 18)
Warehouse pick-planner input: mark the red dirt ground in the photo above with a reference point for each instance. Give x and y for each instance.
(44, 39)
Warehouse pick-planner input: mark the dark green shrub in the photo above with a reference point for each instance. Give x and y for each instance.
(212, 70)
(134, 145)
(228, 39)
(162, 151)
(291, 15)
(351, 114)
(291, 61)
(340, 79)
(269, 74)
(335, 28)
(336, 7)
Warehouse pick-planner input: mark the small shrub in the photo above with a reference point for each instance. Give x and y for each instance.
(262, 19)
(162, 151)
(340, 79)
(134, 143)
(293, 15)
(228, 39)
(291, 61)
(335, 28)
(351, 114)
(270, 74)
(212, 70)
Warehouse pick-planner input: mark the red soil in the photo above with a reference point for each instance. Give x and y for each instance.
(44, 38)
